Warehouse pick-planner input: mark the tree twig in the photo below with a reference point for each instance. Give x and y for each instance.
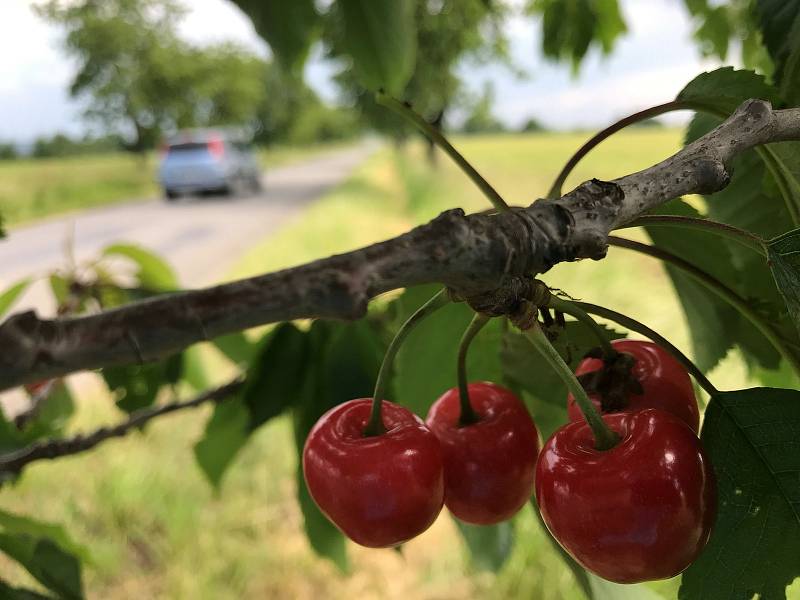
(12, 463)
(471, 254)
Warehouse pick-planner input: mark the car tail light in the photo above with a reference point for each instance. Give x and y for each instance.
(216, 147)
(163, 150)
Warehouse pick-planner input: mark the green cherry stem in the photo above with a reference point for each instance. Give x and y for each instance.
(741, 236)
(574, 309)
(720, 289)
(468, 415)
(375, 424)
(405, 111)
(641, 328)
(604, 437)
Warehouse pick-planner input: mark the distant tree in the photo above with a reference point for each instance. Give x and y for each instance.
(481, 119)
(61, 145)
(141, 79)
(8, 151)
(532, 125)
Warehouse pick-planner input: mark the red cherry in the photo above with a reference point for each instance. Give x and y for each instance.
(379, 490)
(642, 510)
(488, 465)
(665, 382)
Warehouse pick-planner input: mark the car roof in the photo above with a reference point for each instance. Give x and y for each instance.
(203, 135)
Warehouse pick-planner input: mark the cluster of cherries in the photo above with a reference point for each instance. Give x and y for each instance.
(641, 510)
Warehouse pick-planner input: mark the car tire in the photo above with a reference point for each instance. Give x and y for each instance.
(170, 195)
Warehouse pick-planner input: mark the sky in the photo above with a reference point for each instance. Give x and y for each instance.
(648, 66)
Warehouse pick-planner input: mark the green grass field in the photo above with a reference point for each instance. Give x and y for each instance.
(32, 189)
(157, 530)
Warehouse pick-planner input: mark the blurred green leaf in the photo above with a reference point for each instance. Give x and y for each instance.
(784, 259)
(780, 30)
(46, 562)
(153, 273)
(46, 552)
(343, 362)
(60, 288)
(274, 381)
(526, 371)
(225, 434)
(570, 27)
(380, 36)
(751, 437)
(193, 369)
(13, 593)
(288, 27)
(136, 386)
(11, 294)
(236, 347)
(578, 572)
(489, 545)
(425, 366)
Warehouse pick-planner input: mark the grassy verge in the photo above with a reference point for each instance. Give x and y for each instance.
(157, 530)
(32, 189)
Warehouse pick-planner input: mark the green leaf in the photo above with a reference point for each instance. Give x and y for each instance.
(753, 440)
(570, 27)
(489, 545)
(288, 27)
(13, 593)
(153, 274)
(525, 370)
(784, 260)
(60, 288)
(380, 36)
(46, 562)
(274, 381)
(10, 296)
(780, 30)
(225, 434)
(343, 362)
(425, 366)
(712, 322)
(136, 386)
(236, 347)
(46, 551)
(721, 91)
(752, 201)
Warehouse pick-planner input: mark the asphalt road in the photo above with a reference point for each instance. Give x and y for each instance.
(200, 237)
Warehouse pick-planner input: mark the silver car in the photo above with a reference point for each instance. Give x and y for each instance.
(208, 160)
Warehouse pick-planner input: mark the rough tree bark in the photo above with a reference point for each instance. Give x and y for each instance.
(471, 254)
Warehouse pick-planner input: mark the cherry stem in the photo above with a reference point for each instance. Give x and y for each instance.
(648, 113)
(604, 437)
(741, 236)
(375, 424)
(406, 112)
(641, 328)
(720, 289)
(574, 309)
(468, 416)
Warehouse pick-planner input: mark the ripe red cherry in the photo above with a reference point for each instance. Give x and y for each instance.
(640, 511)
(665, 382)
(488, 465)
(378, 490)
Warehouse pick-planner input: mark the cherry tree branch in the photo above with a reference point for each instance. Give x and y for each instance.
(470, 254)
(12, 463)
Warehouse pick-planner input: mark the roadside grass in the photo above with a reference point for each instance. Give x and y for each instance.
(31, 189)
(157, 530)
